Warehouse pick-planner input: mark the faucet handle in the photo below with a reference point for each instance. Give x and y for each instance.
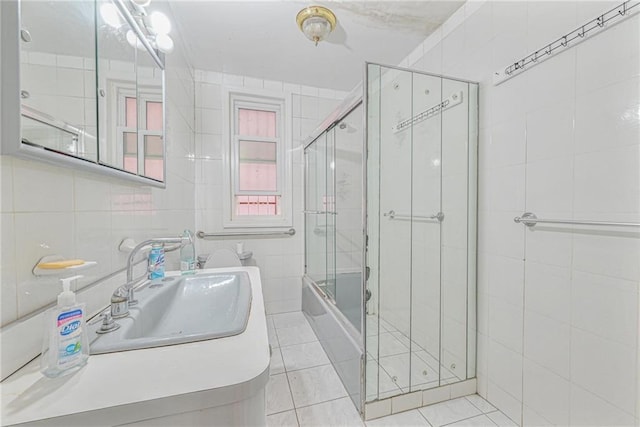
(119, 303)
(108, 324)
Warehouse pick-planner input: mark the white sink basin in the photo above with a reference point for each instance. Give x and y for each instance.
(181, 309)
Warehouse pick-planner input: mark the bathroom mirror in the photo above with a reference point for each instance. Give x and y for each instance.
(57, 77)
(91, 88)
(130, 99)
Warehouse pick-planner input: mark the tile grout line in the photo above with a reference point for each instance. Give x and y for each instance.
(468, 418)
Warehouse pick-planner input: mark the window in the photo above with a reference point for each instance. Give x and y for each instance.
(257, 167)
(140, 148)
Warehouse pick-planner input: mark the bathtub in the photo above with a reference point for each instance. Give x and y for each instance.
(333, 323)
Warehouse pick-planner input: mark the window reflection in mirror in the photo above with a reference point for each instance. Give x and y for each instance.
(150, 146)
(117, 96)
(57, 77)
(130, 106)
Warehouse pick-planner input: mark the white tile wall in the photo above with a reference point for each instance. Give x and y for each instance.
(557, 306)
(280, 260)
(54, 210)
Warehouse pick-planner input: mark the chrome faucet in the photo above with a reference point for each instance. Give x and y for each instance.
(118, 309)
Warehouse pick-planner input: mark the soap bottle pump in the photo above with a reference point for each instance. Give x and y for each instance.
(65, 348)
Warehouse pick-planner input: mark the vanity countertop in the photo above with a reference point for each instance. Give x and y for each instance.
(192, 375)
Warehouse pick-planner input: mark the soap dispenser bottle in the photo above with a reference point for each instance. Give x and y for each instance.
(65, 348)
(188, 255)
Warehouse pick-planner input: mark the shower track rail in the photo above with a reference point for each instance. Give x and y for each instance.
(289, 232)
(393, 215)
(530, 220)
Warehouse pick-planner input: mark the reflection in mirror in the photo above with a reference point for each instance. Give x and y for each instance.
(150, 143)
(57, 76)
(131, 112)
(117, 97)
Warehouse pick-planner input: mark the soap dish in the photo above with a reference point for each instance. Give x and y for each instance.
(62, 271)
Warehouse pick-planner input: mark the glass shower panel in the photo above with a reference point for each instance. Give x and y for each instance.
(374, 389)
(394, 233)
(425, 238)
(421, 231)
(315, 226)
(454, 244)
(347, 170)
(328, 210)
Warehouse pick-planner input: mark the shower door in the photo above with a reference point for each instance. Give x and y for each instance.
(421, 231)
(333, 214)
(319, 214)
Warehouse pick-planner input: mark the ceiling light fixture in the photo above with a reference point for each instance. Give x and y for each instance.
(155, 26)
(316, 22)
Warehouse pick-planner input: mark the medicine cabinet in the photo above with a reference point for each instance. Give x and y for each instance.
(87, 88)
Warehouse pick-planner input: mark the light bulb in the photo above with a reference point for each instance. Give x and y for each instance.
(110, 15)
(142, 3)
(164, 43)
(160, 23)
(316, 28)
(134, 41)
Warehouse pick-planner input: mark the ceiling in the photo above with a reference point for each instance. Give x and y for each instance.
(261, 39)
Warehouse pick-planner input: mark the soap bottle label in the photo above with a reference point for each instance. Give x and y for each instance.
(69, 325)
(156, 262)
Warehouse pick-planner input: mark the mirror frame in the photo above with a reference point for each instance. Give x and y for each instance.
(10, 102)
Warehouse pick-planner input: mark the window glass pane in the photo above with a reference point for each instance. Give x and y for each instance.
(130, 160)
(154, 115)
(153, 157)
(257, 166)
(131, 113)
(258, 151)
(258, 205)
(256, 123)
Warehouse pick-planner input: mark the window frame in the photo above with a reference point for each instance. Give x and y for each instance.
(119, 91)
(235, 99)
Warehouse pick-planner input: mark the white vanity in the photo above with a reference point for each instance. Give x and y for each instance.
(217, 382)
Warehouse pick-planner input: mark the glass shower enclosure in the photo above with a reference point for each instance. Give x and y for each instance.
(333, 214)
(390, 233)
(421, 222)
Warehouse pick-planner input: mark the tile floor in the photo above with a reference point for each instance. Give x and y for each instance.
(388, 363)
(304, 389)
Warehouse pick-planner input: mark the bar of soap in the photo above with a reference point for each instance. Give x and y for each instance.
(55, 265)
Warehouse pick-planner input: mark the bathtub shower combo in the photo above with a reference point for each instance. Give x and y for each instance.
(390, 244)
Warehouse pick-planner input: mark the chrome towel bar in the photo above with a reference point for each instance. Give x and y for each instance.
(319, 212)
(530, 219)
(393, 215)
(203, 235)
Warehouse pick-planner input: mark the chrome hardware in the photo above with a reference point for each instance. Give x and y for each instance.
(393, 215)
(120, 303)
(319, 212)
(530, 220)
(24, 94)
(108, 324)
(592, 27)
(130, 284)
(25, 35)
(289, 232)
